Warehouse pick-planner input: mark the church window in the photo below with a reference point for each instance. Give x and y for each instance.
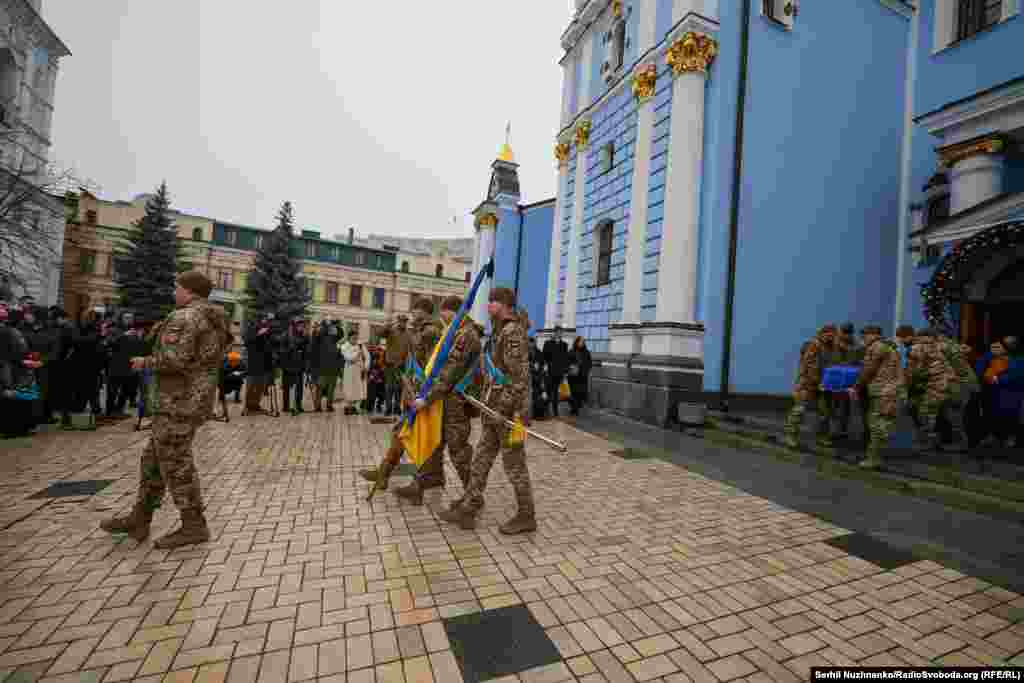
(355, 295)
(90, 217)
(439, 271)
(467, 277)
(259, 241)
(331, 292)
(615, 43)
(197, 234)
(975, 16)
(780, 11)
(310, 249)
(938, 209)
(87, 262)
(607, 158)
(231, 237)
(603, 243)
(405, 266)
(378, 298)
(360, 258)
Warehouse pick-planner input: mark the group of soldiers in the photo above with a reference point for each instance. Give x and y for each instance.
(924, 372)
(191, 342)
(504, 367)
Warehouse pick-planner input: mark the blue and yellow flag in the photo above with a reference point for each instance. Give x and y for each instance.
(421, 432)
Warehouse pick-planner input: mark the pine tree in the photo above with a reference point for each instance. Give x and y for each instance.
(149, 259)
(275, 285)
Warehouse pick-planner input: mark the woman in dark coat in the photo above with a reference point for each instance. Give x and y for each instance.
(1002, 376)
(580, 363)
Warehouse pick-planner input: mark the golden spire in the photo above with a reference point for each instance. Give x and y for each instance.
(506, 150)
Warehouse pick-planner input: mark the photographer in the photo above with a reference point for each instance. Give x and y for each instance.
(294, 357)
(260, 342)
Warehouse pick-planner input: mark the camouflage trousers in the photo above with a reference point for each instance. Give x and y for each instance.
(514, 461)
(167, 463)
(880, 415)
(801, 404)
(951, 404)
(455, 434)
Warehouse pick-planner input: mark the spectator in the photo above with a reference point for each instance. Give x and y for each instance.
(260, 339)
(125, 343)
(580, 363)
(556, 357)
(294, 360)
(538, 381)
(1002, 374)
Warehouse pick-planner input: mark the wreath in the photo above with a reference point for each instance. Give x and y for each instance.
(944, 292)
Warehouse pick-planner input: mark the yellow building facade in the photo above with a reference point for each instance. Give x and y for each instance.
(348, 281)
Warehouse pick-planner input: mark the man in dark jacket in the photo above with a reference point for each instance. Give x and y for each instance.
(259, 346)
(294, 358)
(328, 362)
(42, 340)
(556, 356)
(125, 343)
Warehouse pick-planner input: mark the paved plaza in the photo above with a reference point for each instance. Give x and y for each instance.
(641, 570)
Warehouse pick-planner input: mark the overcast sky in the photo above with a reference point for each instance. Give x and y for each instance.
(384, 116)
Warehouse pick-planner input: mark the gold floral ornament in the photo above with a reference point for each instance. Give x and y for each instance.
(643, 82)
(692, 53)
(583, 134)
(617, 9)
(953, 154)
(562, 152)
(488, 220)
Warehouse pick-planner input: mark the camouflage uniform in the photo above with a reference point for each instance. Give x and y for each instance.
(962, 387)
(398, 347)
(189, 346)
(463, 359)
(847, 352)
(806, 391)
(422, 338)
(507, 392)
(882, 382)
(927, 361)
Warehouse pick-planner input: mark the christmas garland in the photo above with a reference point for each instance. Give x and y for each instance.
(944, 291)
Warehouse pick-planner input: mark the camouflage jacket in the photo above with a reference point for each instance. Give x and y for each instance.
(423, 337)
(848, 351)
(510, 355)
(462, 359)
(957, 354)
(399, 344)
(927, 361)
(812, 359)
(883, 369)
(190, 344)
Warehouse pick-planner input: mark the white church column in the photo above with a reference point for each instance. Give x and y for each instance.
(674, 332)
(551, 304)
(486, 226)
(976, 171)
(571, 286)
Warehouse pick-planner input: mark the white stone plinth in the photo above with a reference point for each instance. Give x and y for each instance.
(672, 339)
(975, 179)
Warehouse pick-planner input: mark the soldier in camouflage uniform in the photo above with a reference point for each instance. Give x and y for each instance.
(422, 338)
(807, 390)
(458, 371)
(927, 362)
(962, 388)
(189, 347)
(398, 347)
(506, 391)
(881, 381)
(847, 352)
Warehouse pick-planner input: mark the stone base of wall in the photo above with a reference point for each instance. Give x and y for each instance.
(645, 388)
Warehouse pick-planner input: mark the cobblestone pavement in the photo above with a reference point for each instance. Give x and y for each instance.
(640, 570)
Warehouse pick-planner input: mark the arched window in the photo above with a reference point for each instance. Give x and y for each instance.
(197, 234)
(603, 239)
(468, 274)
(439, 271)
(405, 266)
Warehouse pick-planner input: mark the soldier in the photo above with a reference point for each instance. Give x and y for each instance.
(399, 343)
(881, 382)
(456, 374)
(928, 363)
(506, 390)
(807, 391)
(962, 387)
(189, 347)
(422, 339)
(847, 352)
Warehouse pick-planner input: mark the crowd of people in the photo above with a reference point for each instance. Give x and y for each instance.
(559, 373)
(958, 398)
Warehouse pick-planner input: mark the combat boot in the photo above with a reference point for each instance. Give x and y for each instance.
(193, 530)
(412, 492)
(522, 523)
(135, 523)
(465, 520)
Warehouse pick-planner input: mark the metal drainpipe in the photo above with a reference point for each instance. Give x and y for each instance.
(734, 209)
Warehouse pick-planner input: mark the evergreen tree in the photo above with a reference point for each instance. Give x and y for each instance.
(149, 259)
(275, 285)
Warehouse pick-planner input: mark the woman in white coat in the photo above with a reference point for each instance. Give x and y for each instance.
(357, 361)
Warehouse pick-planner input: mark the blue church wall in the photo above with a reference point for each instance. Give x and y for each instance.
(535, 257)
(506, 248)
(953, 73)
(576, 85)
(660, 136)
(818, 212)
(566, 221)
(662, 19)
(606, 197)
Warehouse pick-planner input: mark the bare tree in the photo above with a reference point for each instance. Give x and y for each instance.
(33, 206)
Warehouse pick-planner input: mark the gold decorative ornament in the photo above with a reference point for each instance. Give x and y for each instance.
(488, 220)
(583, 134)
(644, 81)
(692, 53)
(617, 9)
(953, 154)
(562, 152)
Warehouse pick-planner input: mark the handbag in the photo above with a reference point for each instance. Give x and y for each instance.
(564, 392)
(26, 393)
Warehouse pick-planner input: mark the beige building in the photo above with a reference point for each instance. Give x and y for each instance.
(348, 280)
